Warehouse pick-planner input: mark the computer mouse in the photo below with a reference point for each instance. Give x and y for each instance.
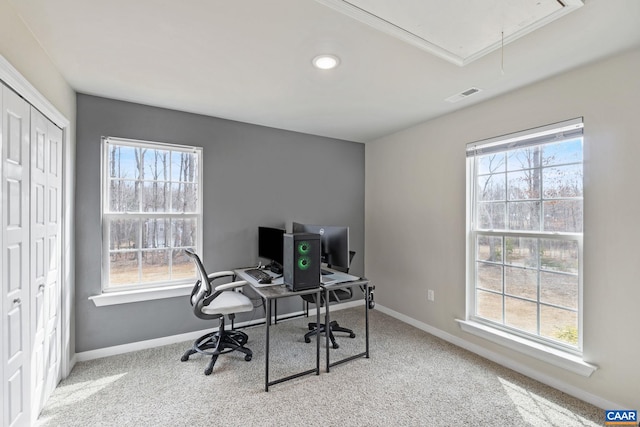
(265, 281)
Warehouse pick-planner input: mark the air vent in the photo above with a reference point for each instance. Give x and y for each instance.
(462, 95)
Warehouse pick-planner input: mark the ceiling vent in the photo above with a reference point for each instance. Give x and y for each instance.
(462, 95)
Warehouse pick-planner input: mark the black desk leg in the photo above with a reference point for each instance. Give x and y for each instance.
(275, 311)
(366, 317)
(318, 299)
(266, 362)
(266, 346)
(327, 321)
(366, 291)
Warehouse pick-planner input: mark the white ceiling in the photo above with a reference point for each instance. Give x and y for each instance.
(459, 31)
(250, 60)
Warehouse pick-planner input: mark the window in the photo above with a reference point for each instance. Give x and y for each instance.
(525, 234)
(151, 212)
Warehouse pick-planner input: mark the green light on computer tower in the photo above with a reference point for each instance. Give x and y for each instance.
(304, 262)
(304, 248)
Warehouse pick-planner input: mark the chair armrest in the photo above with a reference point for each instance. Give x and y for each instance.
(219, 274)
(231, 285)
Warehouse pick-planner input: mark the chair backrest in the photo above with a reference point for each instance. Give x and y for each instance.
(202, 288)
(343, 269)
(345, 293)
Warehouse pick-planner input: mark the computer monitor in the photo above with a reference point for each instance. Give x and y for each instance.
(334, 242)
(270, 245)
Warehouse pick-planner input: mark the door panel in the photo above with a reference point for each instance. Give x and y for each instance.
(13, 270)
(54, 272)
(16, 389)
(45, 277)
(15, 258)
(14, 201)
(39, 248)
(15, 327)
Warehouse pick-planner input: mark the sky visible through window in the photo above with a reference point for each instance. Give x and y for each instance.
(529, 204)
(161, 187)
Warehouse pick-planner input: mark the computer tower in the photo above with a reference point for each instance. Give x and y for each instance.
(301, 261)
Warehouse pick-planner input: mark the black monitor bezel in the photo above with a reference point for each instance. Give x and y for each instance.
(271, 244)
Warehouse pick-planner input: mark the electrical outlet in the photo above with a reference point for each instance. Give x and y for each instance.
(430, 295)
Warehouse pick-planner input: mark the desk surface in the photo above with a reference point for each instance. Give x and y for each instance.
(277, 289)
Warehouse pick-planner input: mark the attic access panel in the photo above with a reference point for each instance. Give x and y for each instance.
(459, 31)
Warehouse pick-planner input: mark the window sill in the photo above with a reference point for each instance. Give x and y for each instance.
(125, 297)
(542, 352)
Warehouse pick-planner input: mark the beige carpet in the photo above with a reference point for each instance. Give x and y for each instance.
(411, 379)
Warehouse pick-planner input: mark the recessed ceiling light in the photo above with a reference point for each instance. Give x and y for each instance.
(326, 62)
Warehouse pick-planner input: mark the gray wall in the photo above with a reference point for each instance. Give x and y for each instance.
(253, 176)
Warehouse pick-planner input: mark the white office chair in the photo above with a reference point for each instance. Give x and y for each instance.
(211, 302)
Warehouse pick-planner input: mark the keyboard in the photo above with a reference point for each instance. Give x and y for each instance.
(258, 274)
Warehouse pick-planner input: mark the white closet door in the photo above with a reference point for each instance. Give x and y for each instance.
(15, 259)
(39, 253)
(54, 269)
(46, 214)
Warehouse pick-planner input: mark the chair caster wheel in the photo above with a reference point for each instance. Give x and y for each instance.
(336, 345)
(208, 371)
(247, 358)
(184, 358)
(307, 340)
(352, 335)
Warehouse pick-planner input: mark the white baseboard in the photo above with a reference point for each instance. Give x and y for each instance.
(189, 336)
(504, 361)
(157, 342)
(139, 345)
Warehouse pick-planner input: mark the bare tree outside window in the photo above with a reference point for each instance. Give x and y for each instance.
(527, 223)
(153, 212)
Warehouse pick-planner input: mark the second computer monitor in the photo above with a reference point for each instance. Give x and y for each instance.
(270, 244)
(334, 242)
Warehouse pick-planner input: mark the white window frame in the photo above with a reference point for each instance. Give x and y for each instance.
(555, 352)
(149, 290)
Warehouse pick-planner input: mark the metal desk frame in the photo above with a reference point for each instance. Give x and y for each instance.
(364, 285)
(273, 293)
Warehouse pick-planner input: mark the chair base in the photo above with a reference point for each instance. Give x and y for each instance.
(216, 343)
(333, 327)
